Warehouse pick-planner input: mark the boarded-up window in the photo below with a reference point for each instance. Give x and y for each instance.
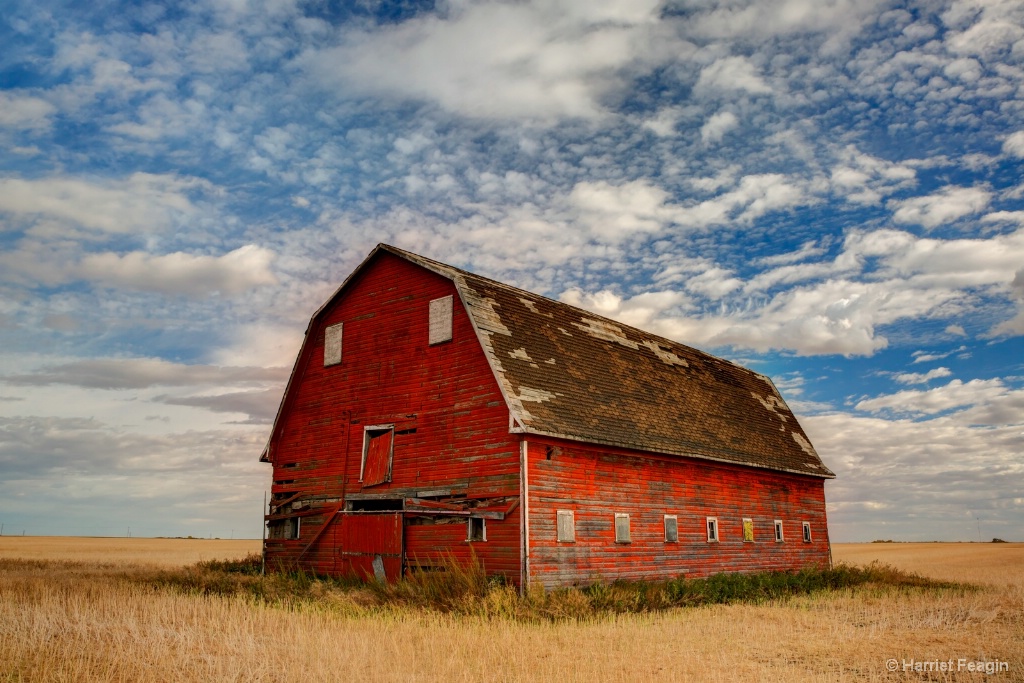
(807, 532)
(440, 320)
(671, 529)
(621, 527)
(377, 450)
(332, 345)
(748, 530)
(778, 530)
(712, 529)
(566, 526)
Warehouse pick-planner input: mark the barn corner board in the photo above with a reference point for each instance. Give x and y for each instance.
(436, 415)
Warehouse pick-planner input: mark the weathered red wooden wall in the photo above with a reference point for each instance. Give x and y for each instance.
(597, 482)
(389, 374)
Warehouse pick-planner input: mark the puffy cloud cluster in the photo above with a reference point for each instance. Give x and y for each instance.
(878, 278)
(539, 60)
(62, 220)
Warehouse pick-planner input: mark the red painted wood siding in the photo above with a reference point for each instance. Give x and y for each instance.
(390, 375)
(596, 483)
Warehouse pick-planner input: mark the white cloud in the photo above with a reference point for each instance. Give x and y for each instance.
(956, 394)
(140, 203)
(1013, 145)
(715, 128)
(776, 18)
(926, 357)
(865, 179)
(664, 122)
(942, 207)
(921, 378)
(139, 373)
(615, 211)
(502, 60)
(807, 250)
(732, 73)
(987, 38)
(638, 311)
(180, 273)
(950, 470)
(1014, 326)
(24, 112)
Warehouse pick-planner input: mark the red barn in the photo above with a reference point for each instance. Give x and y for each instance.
(433, 413)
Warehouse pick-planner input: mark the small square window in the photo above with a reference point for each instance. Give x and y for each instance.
(621, 527)
(748, 530)
(712, 529)
(671, 529)
(566, 526)
(807, 532)
(778, 531)
(476, 529)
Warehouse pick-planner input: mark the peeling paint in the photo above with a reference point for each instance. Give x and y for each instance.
(532, 307)
(772, 404)
(806, 445)
(521, 354)
(605, 330)
(535, 395)
(665, 355)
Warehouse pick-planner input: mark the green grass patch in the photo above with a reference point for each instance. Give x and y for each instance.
(466, 589)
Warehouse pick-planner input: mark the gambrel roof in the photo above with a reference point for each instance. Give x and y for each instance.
(572, 374)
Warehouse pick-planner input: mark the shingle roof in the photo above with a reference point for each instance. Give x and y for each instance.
(569, 373)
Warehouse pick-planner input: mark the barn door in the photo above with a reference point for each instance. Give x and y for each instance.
(370, 545)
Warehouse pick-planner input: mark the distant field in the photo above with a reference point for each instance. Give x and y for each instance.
(84, 610)
(996, 563)
(164, 552)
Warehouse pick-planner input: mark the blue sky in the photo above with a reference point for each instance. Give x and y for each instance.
(828, 192)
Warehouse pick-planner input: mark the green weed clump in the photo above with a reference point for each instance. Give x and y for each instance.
(465, 588)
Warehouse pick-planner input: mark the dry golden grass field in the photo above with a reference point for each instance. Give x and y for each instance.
(88, 610)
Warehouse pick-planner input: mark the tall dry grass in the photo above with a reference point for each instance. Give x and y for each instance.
(73, 621)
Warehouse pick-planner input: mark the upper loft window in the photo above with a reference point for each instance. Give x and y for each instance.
(332, 345)
(378, 446)
(440, 320)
